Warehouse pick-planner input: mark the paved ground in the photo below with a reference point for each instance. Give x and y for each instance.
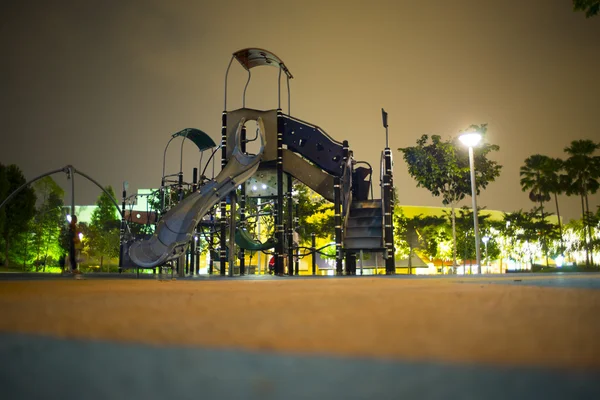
(518, 336)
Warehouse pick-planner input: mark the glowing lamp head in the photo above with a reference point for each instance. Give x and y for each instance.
(68, 218)
(80, 236)
(559, 260)
(485, 239)
(470, 139)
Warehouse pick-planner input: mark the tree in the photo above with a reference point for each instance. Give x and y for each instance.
(582, 178)
(19, 211)
(534, 178)
(104, 228)
(315, 214)
(419, 233)
(442, 167)
(465, 231)
(555, 185)
(48, 220)
(590, 7)
(4, 186)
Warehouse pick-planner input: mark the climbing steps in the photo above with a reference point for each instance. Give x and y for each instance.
(364, 230)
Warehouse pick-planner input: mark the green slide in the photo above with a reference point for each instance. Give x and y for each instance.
(246, 242)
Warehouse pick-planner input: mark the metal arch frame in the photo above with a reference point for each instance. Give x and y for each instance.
(282, 68)
(69, 169)
(180, 174)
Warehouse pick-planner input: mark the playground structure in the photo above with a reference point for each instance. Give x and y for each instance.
(289, 149)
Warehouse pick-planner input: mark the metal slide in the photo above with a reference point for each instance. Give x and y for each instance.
(175, 229)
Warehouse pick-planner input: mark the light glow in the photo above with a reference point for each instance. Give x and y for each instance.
(470, 139)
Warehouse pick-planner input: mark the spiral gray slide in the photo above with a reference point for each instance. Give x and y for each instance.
(175, 229)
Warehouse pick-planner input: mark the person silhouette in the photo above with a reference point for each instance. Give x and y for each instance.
(74, 244)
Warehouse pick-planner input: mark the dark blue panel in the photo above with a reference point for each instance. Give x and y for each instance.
(312, 143)
(570, 280)
(44, 368)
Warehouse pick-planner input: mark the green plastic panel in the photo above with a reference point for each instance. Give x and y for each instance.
(200, 139)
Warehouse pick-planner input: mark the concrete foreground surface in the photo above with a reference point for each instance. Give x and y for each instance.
(518, 336)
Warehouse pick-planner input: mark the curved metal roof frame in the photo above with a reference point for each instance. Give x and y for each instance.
(255, 57)
(199, 138)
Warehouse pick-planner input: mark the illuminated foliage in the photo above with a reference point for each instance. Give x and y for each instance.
(104, 228)
(18, 212)
(3, 194)
(47, 222)
(583, 178)
(315, 214)
(540, 176)
(419, 233)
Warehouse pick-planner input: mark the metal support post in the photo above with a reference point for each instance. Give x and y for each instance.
(232, 252)
(211, 242)
(258, 253)
(313, 248)
(194, 237)
(361, 261)
(350, 262)
(390, 264)
(181, 265)
(279, 247)
(475, 217)
(337, 213)
(297, 259)
(290, 227)
(122, 230)
(223, 204)
(243, 205)
(163, 198)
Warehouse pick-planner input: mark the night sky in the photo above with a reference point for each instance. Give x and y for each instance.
(103, 84)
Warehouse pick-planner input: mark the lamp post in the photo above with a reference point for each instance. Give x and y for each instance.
(485, 240)
(471, 139)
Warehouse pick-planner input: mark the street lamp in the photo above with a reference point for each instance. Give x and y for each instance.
(485, 240)
(471, 139)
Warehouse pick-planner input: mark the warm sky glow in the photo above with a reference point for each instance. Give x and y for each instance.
(103, 85)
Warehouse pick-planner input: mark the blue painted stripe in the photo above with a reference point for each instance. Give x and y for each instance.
(35, 367)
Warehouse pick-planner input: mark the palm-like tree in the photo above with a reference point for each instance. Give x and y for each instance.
(555, 185)
(533, 178)
(583, 174)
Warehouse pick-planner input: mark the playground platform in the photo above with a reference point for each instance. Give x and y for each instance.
(385, 337)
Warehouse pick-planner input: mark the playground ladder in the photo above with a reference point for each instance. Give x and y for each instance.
(364, 230)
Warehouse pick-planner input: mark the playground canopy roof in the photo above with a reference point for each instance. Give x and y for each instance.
(253, 57)
(200, 139)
